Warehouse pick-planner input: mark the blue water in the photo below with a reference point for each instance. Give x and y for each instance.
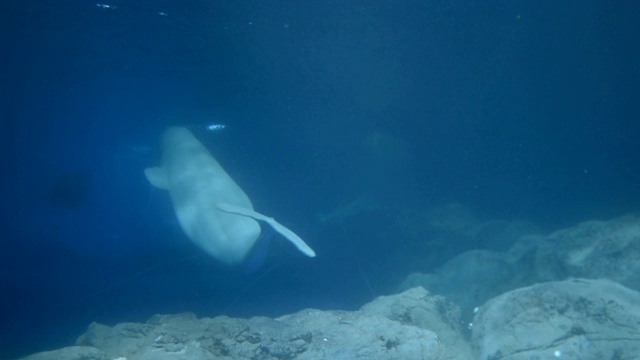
(515, 109)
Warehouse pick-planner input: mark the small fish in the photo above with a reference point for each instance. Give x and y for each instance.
(105, 6)
(215, 127)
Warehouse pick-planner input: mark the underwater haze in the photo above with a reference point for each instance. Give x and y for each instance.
(340, 119)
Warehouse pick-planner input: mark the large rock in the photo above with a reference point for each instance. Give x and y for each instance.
(473, 277)
(573, 319)
(70, 353)
(594, 249)
(393, 327)
(436, 313)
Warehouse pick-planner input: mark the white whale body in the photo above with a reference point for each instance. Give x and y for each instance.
(211, 208)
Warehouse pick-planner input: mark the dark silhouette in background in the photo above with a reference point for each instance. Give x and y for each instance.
(70, 190)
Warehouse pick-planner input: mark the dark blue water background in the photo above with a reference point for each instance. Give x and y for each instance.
(522, 110)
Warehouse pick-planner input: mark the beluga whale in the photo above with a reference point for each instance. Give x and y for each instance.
(212, 210)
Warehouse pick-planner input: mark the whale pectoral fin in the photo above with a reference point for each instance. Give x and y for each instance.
(288, 234)
(157, 176)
